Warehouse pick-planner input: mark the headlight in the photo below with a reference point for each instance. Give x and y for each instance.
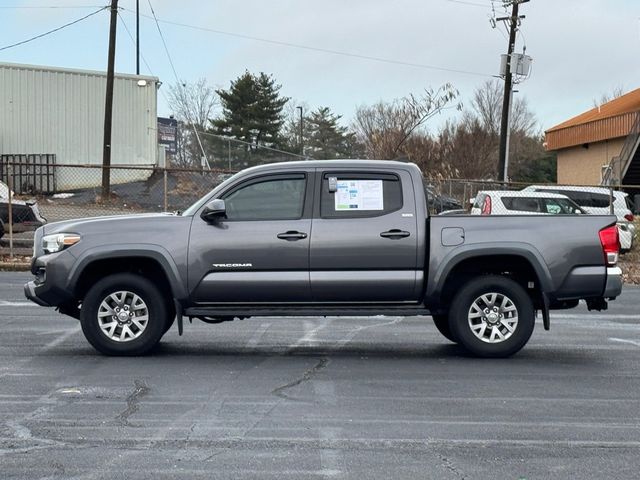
(59, 241)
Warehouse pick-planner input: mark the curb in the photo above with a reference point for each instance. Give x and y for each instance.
(14, 267)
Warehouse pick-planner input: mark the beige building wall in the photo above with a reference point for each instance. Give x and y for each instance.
(583, 166)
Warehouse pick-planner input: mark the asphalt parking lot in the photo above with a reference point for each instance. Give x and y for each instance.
(319, 398)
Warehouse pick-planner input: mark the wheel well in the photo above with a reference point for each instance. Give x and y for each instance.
(146, 267)
(513, 266)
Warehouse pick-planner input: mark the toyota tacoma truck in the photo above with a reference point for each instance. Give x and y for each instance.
(319, 238)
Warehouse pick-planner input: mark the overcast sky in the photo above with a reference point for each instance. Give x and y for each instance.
(581, 48)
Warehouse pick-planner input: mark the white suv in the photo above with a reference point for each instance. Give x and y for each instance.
(597, 201)
(510, 202)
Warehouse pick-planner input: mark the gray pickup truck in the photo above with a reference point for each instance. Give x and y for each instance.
(323, 238)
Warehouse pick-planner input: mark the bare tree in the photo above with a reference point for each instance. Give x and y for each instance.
(385, 127)
(617, 92)
(193, 105)
(291, 126)
(486, 105)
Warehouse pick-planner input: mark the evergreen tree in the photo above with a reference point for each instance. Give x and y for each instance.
(325, 138)
(252, 110)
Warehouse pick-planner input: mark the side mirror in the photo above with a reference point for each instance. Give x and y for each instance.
(213, 210)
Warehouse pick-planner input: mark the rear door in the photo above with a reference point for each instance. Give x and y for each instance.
(260, 252)
(364, 237)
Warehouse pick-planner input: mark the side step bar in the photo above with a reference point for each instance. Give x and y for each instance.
(304, 311)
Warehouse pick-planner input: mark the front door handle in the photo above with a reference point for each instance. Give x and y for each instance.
(395, 234)
(292, 235)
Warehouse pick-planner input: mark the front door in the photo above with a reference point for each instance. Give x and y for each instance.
(259, 253)
(364, 242)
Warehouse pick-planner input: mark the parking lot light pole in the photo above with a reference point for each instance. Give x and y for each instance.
(301, 132)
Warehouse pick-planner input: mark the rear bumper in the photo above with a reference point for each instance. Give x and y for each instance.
(613, 286)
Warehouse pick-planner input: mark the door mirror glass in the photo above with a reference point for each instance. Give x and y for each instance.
(213, 210)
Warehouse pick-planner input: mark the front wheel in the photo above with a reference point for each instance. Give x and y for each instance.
(442, 324)
(492, 316)
(123, 314)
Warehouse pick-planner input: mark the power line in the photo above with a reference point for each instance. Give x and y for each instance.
(316, 49)
(60, 7)
(124, 24)
(179, 85)
(166, 49)
(249, 144)
(53, 31)
(462, 2)
(144, 60)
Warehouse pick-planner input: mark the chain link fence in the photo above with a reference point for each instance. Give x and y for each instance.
(74, 191)
(480, 197)
(78, 194)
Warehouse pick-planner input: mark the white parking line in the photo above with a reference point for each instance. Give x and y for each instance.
(257, 336)
(57, 341)
(309, 338)
(623, 340)
(592, 315)
(5, 303)
(349, 336)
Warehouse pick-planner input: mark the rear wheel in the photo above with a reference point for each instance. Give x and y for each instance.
(123, 314)
(492, 316)
(442, 324)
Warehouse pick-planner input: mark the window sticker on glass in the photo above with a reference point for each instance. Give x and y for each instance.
(359, 195)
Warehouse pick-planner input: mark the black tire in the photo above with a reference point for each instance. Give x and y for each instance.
(461, 311)
(169, 324)
(442, 324)
(154, 305)
(1, 229)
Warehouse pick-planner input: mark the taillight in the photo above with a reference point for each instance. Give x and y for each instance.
(610, 240)
(629, 216)
(486, 206)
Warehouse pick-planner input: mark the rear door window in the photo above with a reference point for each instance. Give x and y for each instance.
(359, 195)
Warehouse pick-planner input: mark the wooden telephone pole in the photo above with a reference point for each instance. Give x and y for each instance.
(514, 20)
(108, 106)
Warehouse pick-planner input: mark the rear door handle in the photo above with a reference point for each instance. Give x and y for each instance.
(292, 235)
(395, 234)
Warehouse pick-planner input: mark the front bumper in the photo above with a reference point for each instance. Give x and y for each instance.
(30, 292)
(49, 288)
(613, 287)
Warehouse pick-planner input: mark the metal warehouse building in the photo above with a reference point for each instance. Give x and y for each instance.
(59, 112)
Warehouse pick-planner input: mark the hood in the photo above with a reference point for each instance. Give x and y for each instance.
(79, 225)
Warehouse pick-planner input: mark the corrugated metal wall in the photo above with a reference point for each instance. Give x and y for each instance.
(61, 112)
(594, 131)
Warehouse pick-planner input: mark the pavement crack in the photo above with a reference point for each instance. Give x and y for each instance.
(133, 403)
(450, 466)
(306, 376)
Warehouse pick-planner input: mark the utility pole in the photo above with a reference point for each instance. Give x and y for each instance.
(301, 132)
(137, 37)
(514, 20)
(108, 105)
